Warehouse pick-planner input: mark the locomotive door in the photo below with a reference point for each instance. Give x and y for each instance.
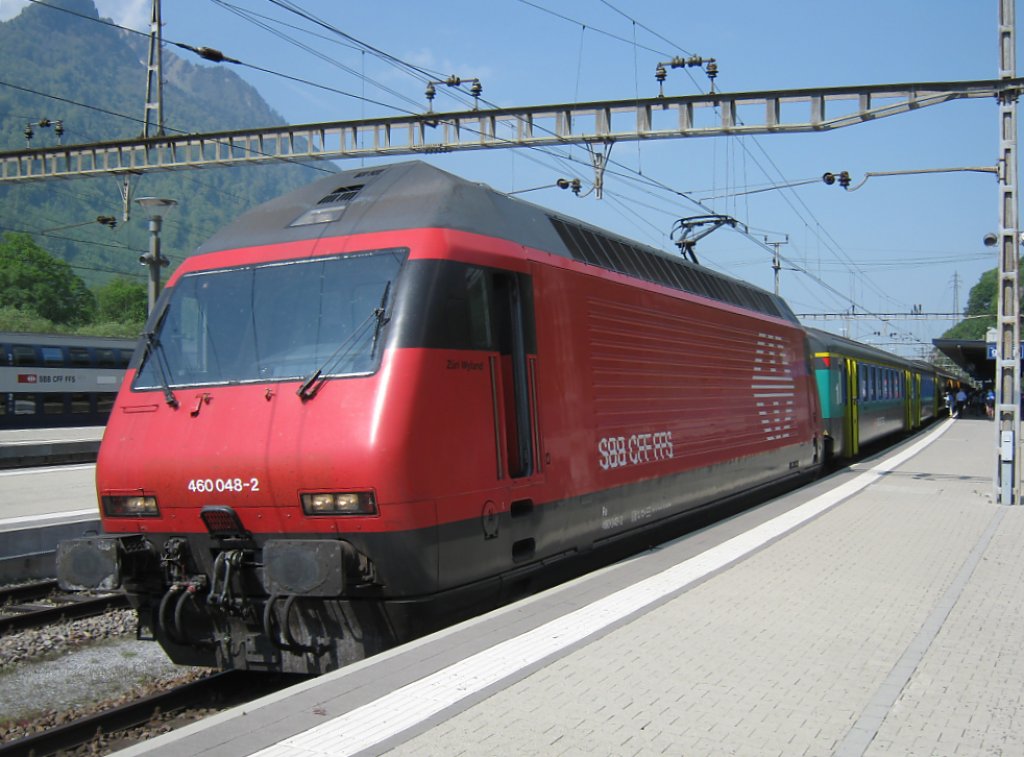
(513, 373)
(514, 389)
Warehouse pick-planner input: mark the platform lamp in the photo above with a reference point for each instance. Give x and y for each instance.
(156, 207)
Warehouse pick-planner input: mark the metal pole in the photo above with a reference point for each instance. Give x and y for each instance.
(1007, 382)
(153, 260)
(155, 206)
(154, 77)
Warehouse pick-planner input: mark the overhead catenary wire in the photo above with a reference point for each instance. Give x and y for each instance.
(294, 8)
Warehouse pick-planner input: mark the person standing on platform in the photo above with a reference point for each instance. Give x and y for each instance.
(961, 402)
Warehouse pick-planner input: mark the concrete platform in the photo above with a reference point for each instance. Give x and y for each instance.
(49, 446)
(40, 507)
(880, 611)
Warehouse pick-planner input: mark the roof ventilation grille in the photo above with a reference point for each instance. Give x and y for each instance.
(341, 195)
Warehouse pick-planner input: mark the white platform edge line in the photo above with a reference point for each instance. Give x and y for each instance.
(370, 724)
(47, 469)
(27, 521)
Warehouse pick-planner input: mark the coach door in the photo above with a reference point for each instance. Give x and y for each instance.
(851, 420)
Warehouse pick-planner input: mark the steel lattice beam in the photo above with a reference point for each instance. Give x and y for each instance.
(718, 114)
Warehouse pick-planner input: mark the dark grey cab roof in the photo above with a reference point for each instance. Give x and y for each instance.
(417, 195)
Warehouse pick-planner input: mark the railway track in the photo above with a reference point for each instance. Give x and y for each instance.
(41, 602)
(110, 727)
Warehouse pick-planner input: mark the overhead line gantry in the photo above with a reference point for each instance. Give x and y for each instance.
(596, 124)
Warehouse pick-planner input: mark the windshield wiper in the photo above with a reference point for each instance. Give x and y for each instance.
(311, 385)
(154, 349)
(379, 314)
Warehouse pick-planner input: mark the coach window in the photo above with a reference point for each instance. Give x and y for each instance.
(105, 402)
(24, 355)
(80, 404)
(25, 404)
(105, 358)
(53, 404)
(80, 357)
(53, 357)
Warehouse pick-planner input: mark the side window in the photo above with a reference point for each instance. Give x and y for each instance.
(25, 404)
(24, 355)
(79, 357)
(53, 357)
(467, 310)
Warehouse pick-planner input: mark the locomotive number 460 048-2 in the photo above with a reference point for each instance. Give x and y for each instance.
(205, 485)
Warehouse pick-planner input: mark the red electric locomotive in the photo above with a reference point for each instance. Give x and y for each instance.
(372, 402)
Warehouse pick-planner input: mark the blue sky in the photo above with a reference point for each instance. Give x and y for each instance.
(892, 244)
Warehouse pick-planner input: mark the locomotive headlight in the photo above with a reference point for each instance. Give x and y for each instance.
(339, 503)
(133, 505)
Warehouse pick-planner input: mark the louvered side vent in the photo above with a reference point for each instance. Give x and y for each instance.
(631, 260)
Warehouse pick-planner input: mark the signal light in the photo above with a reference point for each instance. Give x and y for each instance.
(843, 177)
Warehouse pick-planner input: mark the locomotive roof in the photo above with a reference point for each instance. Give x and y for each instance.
(414, 194)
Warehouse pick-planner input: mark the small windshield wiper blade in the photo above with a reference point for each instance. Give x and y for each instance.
(154, 350)
(312, 383)
(380, 315)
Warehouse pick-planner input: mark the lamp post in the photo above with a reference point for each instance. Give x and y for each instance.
(155, 206)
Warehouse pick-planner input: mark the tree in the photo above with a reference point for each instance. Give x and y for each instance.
(122, 300)
(31, 279)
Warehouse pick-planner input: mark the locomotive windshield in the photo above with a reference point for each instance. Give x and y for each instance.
(273, 322)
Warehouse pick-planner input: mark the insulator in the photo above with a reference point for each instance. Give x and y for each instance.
(712, 69)
(576, 186)
(829, 178)
(209, 53)
(660, 73)
(562, 183)
(431, 92)
(844, 179)
(44, 122)
(59, 128)
(453, 81)
(29, 133)
(477, 89)
(695, 60)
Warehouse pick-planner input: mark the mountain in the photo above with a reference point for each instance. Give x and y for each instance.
(57, 61)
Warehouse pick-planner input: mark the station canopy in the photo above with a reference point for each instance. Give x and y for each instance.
(975, 357)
